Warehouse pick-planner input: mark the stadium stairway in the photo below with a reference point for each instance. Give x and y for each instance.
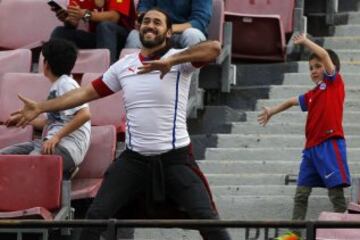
(248, 165)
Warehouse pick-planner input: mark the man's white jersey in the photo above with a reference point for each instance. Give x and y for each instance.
(155, 108)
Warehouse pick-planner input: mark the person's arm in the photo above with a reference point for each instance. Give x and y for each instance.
(320, 52)
(75, 12)
(80, 118)
(74, 98)
(267, 112)
(203, 52)
(39, 123)
(179, 28)
(201, 12)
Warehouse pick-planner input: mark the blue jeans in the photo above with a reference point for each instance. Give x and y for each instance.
(108, 35)
(189, 37)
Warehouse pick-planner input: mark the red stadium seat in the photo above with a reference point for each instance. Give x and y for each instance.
(15, 61)
(93, 60)
(10, 136)
(216, 26)
(338, 234)
(100, 155)
(30, 186)
(107, 111)
(25, 23)
(261, 25)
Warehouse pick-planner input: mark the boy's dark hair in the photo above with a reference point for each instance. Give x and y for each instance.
(333, 56)
(167, 17)
(60, 55)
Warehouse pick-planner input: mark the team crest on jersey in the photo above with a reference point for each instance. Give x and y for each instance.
(322, 86)
(100, 3)
(119, 1)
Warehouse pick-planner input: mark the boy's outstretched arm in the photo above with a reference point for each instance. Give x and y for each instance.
(268, 112)
(320, 52)
(80, 118)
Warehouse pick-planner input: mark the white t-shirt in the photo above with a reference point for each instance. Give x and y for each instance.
(77, 142)
(155, 108)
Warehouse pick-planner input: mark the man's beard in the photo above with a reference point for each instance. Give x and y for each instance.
(157, 41)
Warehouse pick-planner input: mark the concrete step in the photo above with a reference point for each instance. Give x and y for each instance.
(350, 104)
(351, 79)
(346, 66)
(348, 55)
(245, 179)
(270, 140)
(266, 190)
(281, 128)
(340, 42)
(259, 166)
(287, 91)
(300, 117)
(347, 30)
(271, 153)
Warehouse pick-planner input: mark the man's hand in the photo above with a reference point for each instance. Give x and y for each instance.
(13, 120)
(61, 14)
(163, 66)
(48, 147)
(264, 116)
(75, 12)
(28, 113)
(299, 39)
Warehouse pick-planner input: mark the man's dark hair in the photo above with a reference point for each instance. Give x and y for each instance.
(333, 56)
(167, 16)
(60, 55)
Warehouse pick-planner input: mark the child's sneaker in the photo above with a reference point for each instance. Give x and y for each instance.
(288, 236)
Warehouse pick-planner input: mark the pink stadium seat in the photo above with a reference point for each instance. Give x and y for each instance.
(92, 60)
(30, 186)
(98, 158)
(18, 60)
(338, 234)
(25, 23)
(10, 136)
(261, 25)
(106, 111)
(33, 86)
(217, 21)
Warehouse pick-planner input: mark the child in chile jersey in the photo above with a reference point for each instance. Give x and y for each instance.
(324, 161)
(65, 133)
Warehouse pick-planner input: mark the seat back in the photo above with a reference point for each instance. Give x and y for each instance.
(283, 8)
(18, 60)
(215, 29)
(106, 111)
(30, 181)
(31, 85)
(25, 22)
(10, 136)
(101, 153)
(90, 60)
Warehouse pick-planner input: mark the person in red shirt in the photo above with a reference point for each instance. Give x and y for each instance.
(324, 162)
(109, 24)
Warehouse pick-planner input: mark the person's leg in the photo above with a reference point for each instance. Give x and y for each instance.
(111, 36)
(68, 162)
(190, 37)
(82, 39)
(133, 40)
(187, 190)
(337, 198)
(122, 182)
(20, 149)
(301, 202)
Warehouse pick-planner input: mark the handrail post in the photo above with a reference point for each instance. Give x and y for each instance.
(310, 231)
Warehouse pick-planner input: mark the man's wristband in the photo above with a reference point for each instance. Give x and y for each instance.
(87, 16)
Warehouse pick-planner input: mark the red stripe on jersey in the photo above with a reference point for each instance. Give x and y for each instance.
(101, 88)
(339, 160)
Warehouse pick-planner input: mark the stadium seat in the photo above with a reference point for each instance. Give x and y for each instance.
(18, 60)
(30, 186)
(100, 155)
(25, 23)
(91, 60)
(338, 234)
(107, 111)
(262, 26)
(10, 136)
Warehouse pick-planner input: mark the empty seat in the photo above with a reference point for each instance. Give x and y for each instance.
(18, 60)
(106, 111)
(338, 234)
(88, 60)
(259, 28)
(100, 155)
(30, 186)
(25, 23)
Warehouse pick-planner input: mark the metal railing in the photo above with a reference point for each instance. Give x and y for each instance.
(113, 224)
